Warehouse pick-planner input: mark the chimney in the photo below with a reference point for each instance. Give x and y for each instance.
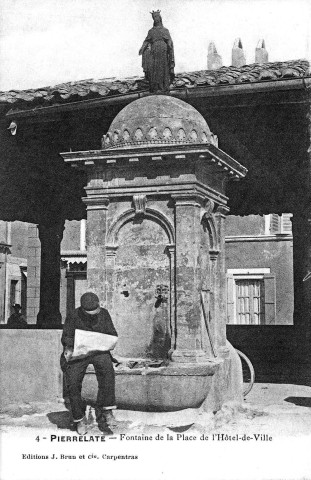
(214, 61)
(261, 54)
(238, 55)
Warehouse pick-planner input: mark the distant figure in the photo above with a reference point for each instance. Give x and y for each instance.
(17, 320)
(158, 56)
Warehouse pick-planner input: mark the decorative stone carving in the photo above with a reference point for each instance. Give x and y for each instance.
(214, 140)
(139, 135)
(126, 135)
(106, 143)
(152, 134)
(194, 135)
(204, 137)
(181, 134)
(167, 134)
(140, 202)
(222, 210)
(208, 209)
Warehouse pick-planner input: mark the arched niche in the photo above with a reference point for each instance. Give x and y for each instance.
(140, 283)
(131, 215)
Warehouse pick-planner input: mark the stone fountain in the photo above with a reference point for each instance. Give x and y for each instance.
(156, 208)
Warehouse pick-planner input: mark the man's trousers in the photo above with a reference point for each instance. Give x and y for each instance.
(75, 371)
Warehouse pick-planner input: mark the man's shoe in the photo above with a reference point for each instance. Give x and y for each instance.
(109, 417)
(104, 427)
(82, 426)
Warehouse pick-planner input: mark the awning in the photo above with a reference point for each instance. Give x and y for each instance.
(72, 257)
(71, 260)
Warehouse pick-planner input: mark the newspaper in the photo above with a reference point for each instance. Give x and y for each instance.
(87, 343)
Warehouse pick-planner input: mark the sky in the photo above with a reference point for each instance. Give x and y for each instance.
(47, 42)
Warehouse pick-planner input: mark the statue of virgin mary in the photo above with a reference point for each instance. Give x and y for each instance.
(158, 56)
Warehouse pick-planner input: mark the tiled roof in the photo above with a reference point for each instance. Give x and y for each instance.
(87, 89)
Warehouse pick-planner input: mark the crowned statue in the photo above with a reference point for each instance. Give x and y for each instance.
(158, 56)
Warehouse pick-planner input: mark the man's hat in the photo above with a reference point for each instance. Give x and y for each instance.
(90, 303)
(17, 305)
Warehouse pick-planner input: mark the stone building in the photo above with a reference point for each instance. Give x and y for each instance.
(259, 264)
(258, 248)
(13, 267)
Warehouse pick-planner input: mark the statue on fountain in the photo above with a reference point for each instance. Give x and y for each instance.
(158, 56)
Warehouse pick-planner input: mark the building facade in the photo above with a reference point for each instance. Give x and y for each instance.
(13, 267)
(259, 267)
(259, 264)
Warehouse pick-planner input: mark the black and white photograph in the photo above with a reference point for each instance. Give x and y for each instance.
(155, 240)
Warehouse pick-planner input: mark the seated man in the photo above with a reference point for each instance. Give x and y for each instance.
(89, 317)
(17, 320)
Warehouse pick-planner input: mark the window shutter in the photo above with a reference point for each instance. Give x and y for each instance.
(274, 223)
(270, 307)
(230, 300)
(286, 223)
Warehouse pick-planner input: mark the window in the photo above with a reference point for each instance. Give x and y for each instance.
(13, 288)
(24, 290)
(249, 301)
(250, 297)
(279, 224)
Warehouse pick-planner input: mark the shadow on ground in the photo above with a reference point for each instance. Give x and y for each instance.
(60, 419)
(300, 401)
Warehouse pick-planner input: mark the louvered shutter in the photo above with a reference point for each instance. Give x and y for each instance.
(230, 300)
(274, 223)
(286, 223)
(270, 307)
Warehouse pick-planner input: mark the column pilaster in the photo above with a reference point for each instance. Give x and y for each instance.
(96, 230)
(188, 280)
(221, 282)
(50, 237)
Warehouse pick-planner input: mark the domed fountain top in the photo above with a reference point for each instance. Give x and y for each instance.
(157, 120)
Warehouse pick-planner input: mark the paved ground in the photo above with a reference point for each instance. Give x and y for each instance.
(285, 409)
(274, 413)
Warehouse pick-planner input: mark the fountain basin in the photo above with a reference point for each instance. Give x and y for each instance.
(164, 389)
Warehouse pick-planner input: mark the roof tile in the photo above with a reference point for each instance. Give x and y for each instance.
(72, 91)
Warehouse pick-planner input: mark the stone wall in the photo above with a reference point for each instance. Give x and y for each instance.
(29, 366)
